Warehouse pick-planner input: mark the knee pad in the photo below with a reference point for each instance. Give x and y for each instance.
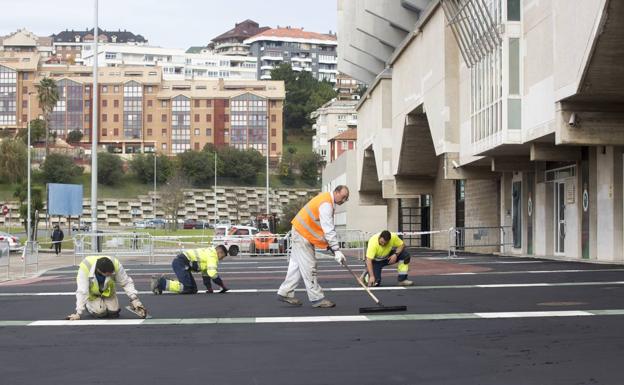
(407, 259)
(114, 313)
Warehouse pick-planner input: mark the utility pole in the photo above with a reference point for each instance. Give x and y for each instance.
(215, 189)
(154, 197)
(94, 133)
(28, 219)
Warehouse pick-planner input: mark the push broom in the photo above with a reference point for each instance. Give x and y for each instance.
(379, 308)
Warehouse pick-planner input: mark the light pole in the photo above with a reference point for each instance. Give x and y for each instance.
(94, 133)
(267, 168)
(28, 220)
(154, 198)
(215, 189)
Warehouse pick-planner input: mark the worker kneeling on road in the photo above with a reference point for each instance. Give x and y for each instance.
(204, 260)
(385, 249)
(97, 276)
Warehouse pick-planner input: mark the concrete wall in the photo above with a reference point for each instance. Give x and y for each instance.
(480, 208)
(442, 208)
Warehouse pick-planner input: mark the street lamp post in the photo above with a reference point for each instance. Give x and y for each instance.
(28, 220)
(154, 198)
(215, 189)
(94, 133)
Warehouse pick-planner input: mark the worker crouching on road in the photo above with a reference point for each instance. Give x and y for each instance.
(385, 249)
(204, 260)
(97, 276)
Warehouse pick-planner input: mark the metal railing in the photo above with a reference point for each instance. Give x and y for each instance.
(495, 238)
(261, 244)
(5, 259)
(30, 255)
(353, 242)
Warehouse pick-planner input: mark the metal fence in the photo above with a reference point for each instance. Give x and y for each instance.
(258, 245)
(495, 238)
(5, 256)
(353, 242)
(30, 255)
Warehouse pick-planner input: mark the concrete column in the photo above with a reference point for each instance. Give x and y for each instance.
(393, 214)
(609, 203)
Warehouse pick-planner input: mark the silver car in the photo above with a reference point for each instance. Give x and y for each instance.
(14, 242)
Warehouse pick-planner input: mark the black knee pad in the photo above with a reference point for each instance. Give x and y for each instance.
(407, 259)
(114, 313)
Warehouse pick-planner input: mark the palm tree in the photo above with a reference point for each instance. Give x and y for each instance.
(47, 96)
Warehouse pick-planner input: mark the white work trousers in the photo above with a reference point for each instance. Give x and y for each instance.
(100, 306)
(302, 264)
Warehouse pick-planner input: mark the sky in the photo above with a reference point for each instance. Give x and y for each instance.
(171, 24)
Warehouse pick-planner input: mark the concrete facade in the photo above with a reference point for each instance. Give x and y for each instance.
(523, 135)
(331, 119)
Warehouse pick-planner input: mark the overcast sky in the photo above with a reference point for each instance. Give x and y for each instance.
(172, 24)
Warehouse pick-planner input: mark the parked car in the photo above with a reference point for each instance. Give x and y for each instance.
(14, 242)
(81, 226)
(203, 225)
(155, 223)
(190, 224)
(239, 239)
(139, 224)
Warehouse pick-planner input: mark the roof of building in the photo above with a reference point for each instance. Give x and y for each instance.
(289, 33)
(24, 38)
(124, 36)
(195, 49)
(242, 31)
(347, 135)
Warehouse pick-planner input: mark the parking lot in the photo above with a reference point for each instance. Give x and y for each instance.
(475, 319)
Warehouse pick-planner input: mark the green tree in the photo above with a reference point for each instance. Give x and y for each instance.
(110, 169)
(59, 168)
(13, 158)
(74, 137)
(242, 165)
(47, 95)
(37, 131)
(309, 166)
(36, 205)
(197, 167)
(142, 166)
(289, 211)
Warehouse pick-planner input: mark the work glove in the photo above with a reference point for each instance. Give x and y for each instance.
(340, 257)
(73, 317)
(138, 307)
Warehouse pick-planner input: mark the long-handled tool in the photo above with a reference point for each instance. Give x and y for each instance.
(380, 308)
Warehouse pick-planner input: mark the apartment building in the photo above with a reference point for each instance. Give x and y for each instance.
(496, 115)
(23, 40)
(232, 42)
(303, 50)
(70, 45)
(332, 119)
(140, 111)
(176, 64)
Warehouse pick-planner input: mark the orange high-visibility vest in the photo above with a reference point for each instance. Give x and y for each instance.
(307, 222)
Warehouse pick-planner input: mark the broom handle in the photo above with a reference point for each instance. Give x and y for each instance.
(362, 284)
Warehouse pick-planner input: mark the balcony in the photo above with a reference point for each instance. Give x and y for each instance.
(272, 57)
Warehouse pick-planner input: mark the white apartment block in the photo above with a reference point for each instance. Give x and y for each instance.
(331, 119)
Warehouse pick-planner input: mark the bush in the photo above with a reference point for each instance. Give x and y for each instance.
(13, 157)
(74, 137)
(309, 167)
(243, 165)
(110, 169)
(58, 168)
(37, 131)
(197, 167)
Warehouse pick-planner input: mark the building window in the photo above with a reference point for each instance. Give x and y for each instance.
(116, 103)
(181, 124)
(163, 131)
(163, 118)
(164, 103)
(273, 132)
(208, 117)
(208, 131)
(24, 103)
(226, 103)
(25, 118)
(86, 118)
(104, 117)
(273, 147)
(273, 118)
(273, 103)
(196, 146)
(25, 90)
(149, 103)
(149, 118)
(226, 118)
(149, 89)
(196, 119)
(104, 89)
(115, 118)
(164, 146)
(104, 103)
(209, 103)
(197, 132)
(196, 103)
(115, 131)
(104, 132)
(513, 10)
(116, 89)
(149, 132)
(25, 75)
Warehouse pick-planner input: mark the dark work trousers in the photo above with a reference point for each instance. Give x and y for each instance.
(379, 265)
(182, 269)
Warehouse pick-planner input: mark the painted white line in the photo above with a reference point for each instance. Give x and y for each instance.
(498, 262)
(531, 314)
(315, 319)
(358, 288)
(88, 322)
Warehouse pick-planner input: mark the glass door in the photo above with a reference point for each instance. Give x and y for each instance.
(560, 227)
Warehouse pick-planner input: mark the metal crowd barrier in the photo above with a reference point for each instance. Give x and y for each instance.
(166, 247)
(30, 255)
(495, 238)
(353, 242)
(258, 245)
(113, 244)
(5, 258)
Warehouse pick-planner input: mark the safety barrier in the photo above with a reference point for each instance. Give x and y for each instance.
(165, 247)
(30, 255)
(113, 244)
(5, 259)
(462, 238)
(353, 242)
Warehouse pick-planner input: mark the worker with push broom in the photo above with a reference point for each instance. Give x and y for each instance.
(385, 249)
(312, 228)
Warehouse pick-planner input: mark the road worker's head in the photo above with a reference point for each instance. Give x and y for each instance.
(222, 251)
(341, 194)
(104, 266)
(384, 238)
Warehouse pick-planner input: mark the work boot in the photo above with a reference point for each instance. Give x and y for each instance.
(155, 285)
(406, 282)
(289, 300)
(364, 276)
(224, 290)
(324, 303)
